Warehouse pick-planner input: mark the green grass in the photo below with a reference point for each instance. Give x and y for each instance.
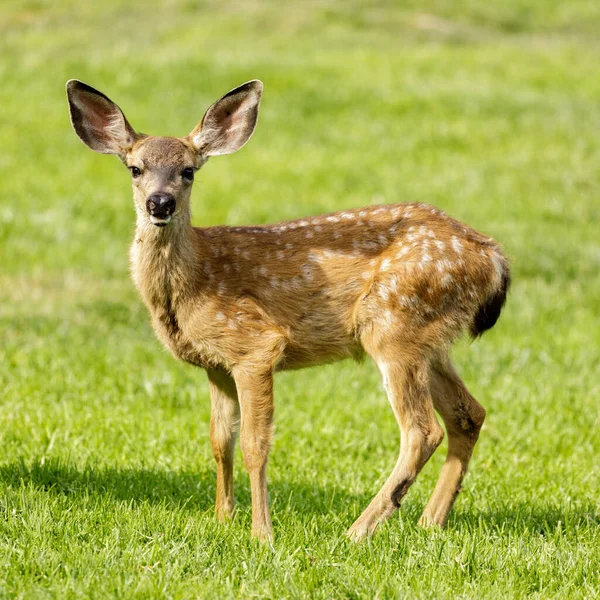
(490, 110)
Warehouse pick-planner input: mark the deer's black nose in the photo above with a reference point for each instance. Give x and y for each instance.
(160, 205)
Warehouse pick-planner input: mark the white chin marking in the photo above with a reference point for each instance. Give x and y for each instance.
(160, 222)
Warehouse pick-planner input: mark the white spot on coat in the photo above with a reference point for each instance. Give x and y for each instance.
(425, 259)
(443, 265)
(456, 245)
(404, 250)
(389, 318)
(409, 301)
(447, 280)
(383, 291)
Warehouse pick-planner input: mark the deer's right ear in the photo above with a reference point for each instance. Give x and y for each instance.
(98, 121)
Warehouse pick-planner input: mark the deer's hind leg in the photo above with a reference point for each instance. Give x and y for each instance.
(463, 417)
(406, 380)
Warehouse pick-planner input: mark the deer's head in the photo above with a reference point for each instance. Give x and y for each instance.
(163, 168)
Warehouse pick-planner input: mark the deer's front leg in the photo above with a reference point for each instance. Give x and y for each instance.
(256, 403)
(224, 426)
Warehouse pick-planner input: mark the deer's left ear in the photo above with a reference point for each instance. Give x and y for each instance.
(229, 123)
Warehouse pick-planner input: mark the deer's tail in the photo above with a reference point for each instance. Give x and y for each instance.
(489, 311)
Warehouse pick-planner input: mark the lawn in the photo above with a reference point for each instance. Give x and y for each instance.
(490, 111)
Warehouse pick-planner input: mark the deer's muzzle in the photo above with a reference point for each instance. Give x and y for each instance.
(160, 207)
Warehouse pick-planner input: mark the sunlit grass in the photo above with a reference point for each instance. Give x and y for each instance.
(489, 110)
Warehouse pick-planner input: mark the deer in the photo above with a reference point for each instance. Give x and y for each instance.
(397, 282)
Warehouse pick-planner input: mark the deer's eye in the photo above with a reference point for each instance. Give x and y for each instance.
(135, 172)
(188, 174)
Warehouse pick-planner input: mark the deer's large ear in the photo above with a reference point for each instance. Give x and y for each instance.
(229, 123)
(98, 121)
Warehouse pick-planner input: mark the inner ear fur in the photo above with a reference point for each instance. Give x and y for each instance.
(98, 121)
(230, 122)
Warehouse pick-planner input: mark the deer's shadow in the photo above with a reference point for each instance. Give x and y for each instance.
(195, 491)
(189, 490)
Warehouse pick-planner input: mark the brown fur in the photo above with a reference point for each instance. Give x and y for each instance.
(398, 282)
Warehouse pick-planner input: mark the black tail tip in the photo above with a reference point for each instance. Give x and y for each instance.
(490, 310)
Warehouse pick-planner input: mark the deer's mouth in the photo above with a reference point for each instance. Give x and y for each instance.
(160, 221)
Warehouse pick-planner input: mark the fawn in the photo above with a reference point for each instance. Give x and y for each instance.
(398, 282)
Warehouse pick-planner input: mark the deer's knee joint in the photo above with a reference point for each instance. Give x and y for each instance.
(425, 441)
(479, 415)
(434, 438)
(471, 421)
(400, 491)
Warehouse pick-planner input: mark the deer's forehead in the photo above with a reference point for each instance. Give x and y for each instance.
(163, 152)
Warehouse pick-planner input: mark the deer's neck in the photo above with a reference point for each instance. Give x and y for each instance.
(164, 263)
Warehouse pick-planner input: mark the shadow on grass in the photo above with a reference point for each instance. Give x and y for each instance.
(178, 489)
(174, 488)
(196, 491)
